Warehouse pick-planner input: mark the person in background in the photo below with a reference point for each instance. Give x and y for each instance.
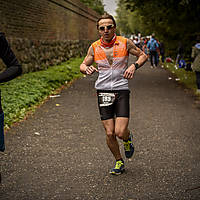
(111, 55)
(162, 52)
(137, 42)
(196, 63)
(158, 52)
(152, 45)
(13, 69)
(180, 52)
(144, 47)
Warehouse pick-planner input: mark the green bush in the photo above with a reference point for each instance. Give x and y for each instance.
(24, 93)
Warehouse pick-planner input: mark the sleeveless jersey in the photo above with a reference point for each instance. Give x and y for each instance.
(111, 76)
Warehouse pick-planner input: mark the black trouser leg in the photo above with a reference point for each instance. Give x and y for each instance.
(198, 79)
(2, 145)
(151, 58)
(155, 58)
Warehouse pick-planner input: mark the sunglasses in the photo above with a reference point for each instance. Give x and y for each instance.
(102, 28)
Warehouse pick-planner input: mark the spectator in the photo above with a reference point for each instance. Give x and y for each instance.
(136, 42)
(144, 47)
(158, 51)
(180, 52)
(152, 45)
(162, 52)
(196, 63)
(13, 69)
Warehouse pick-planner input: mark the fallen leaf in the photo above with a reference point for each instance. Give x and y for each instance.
(54, 96)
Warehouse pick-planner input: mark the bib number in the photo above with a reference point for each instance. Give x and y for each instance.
(106, 99)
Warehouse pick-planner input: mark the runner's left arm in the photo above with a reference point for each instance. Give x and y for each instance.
(142, 57)
(86, 67)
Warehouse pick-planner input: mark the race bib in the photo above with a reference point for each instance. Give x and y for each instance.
(106, 99)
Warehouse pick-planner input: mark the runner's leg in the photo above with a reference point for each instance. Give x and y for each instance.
(121, 128)
(111, 139)
(122, 131)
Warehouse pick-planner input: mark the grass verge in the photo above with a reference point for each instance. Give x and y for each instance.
(187, 78)
(25, 93)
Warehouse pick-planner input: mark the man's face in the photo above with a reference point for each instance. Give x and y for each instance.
(106, 29)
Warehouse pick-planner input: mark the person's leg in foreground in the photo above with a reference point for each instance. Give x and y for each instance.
(2, 145)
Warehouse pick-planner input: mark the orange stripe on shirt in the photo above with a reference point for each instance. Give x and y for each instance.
(119, 49)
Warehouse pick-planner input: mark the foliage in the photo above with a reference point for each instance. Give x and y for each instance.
(26, 92)
(96, 5)
(127, 21)
(122, 19)
(173, 21)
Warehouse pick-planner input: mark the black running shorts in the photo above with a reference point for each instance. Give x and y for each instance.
(113, 103)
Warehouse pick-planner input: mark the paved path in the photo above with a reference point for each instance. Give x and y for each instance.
(60, 153)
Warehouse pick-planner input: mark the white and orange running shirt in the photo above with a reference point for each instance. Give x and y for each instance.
(111, 75)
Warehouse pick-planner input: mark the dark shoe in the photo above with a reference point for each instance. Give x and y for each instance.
(128, 147)
(118, 169)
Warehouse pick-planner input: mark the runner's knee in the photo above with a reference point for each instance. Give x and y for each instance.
(120, 133)
(110, 134)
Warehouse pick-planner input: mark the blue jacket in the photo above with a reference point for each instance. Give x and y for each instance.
(152, 44)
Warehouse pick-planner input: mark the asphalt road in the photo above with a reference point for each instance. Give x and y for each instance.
(60, 152)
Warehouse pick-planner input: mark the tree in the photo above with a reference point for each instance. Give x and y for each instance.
(96, 5)
(173, 21)
(122, 19)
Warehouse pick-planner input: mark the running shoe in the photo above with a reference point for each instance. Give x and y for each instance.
(128, 146)
(118, 169)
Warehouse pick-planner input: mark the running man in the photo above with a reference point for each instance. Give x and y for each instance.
(111, 55)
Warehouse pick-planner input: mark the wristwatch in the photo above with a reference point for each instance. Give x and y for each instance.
(136, 66)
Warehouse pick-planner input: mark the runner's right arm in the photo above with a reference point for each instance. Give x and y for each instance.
(86, 66)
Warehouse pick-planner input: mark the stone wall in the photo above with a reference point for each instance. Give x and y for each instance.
(38, 55)
(47, 32)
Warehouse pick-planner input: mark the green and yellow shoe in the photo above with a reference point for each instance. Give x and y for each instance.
(128, 146)
(118, 169)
